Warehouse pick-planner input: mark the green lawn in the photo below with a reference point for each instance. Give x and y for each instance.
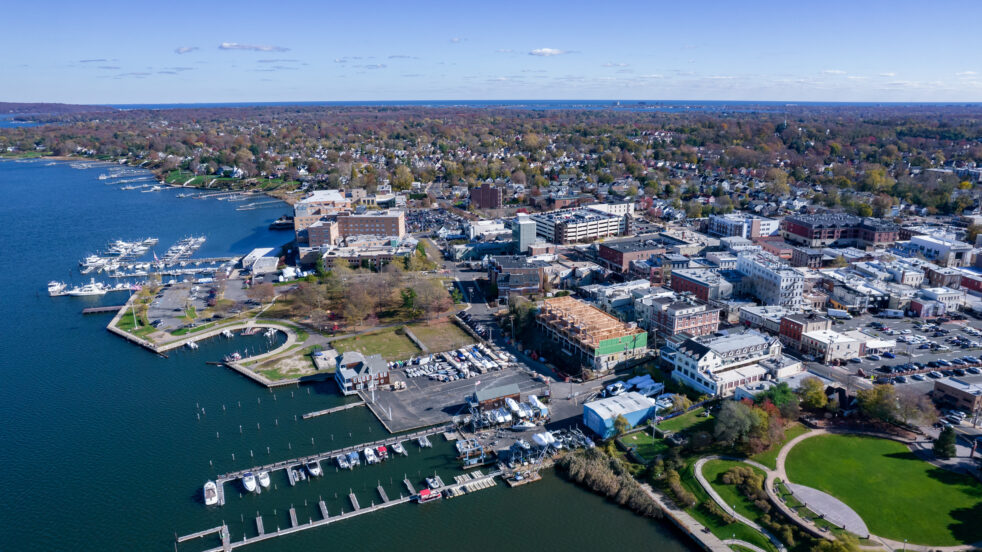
(734, 530)
(898, 496)
(441, 336)
(645, 445)
(769, 456)
(387, 343)
(713, 471)
(689, 420)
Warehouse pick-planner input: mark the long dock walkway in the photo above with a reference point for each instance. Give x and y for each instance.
(329, 455)
(316, 413)
(227, 545)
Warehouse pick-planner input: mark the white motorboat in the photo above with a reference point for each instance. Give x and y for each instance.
(270, 333)
(398, 448)
(92, 288)
(314, 467)
(522, 426)
(370, 457)
(342, 461)
(191, 345)
(211, 493)
(227, 333)
(249, 482)
(263, 478)
(56, 288)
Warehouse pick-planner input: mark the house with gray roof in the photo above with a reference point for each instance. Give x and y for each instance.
(355, 372)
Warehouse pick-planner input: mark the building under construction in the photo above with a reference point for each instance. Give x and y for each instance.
(589, 337)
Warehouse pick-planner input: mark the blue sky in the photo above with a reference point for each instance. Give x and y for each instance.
(216, 51)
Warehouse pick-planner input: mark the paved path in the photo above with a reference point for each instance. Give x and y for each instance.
(687, 523)
(830, 508)
(722, 503)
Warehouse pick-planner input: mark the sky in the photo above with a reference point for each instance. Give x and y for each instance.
(109, 52)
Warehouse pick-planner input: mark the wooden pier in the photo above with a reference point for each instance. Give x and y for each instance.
(286, 464)
(354, 501)
(259, 526)
(200, 534)
(310, 415)
(100, 310)
(381, 493)
(412, 490)
(293, 517)
(323, 509)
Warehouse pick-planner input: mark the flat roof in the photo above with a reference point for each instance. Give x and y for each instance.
(626, 403)
(324, 196)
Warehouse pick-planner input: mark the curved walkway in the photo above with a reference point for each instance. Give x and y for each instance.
(830, 508)
(697, 468)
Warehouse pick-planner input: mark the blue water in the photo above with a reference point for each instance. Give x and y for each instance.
(104, 446)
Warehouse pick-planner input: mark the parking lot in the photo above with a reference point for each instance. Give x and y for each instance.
(427, 401)
(430, 220)
(170, 304)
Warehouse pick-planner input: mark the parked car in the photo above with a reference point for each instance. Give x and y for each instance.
(888, 354)
(873, 357)
(856, 360)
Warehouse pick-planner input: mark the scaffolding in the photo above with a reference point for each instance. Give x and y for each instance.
(584, 324)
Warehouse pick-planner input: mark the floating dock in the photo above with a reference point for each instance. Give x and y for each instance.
(329, 455)
(473, 484)
(99, 310)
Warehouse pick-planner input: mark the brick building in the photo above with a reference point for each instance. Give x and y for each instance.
(487, 196)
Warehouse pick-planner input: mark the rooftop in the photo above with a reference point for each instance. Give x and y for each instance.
(576, 216)
(320, 196)
(585, 323)
(626, 403)
(633, 245)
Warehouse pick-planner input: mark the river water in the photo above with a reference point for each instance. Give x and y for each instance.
(104, 446)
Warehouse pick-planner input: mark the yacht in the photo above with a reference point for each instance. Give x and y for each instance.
(211, 493)
(234, 357)
(382, 453)
(432, 483)
(263, 478)
(314, 467)
(91, 288)
(342, 461)
(191, 345)
(249, 482)
(398, 448)
(227, 333)
(370, 457)
(56, 288)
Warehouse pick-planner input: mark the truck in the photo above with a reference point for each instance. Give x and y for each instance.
(892, 313)
(840, 314)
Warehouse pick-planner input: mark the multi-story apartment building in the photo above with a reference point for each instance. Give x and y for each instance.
(741, 225)
(943, 250)
(717, 365)
(838, 229)
(770, 280)
(617, 255)
(707, 284)
(793, 326)
(487, 196)
(667, 316)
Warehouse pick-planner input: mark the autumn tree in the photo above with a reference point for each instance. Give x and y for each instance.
(879, 403)
(812, 392)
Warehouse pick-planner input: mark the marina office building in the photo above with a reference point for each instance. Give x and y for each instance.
(588, 336)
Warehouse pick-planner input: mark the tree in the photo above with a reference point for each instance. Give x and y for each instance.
(621, 425)
(777, 182)
(263, 292)
(840, 262)
(879, 403)
(733, 423)
(944, 445)
(780, 394)
(915, 407)
(812, 392)
(680, 403)
(842, 543)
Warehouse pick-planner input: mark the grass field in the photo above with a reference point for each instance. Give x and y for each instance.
(689, 420)
(440, 336)
(387, 343)
(769, 456)
(713, 471)
(645, 445)
(734, 530)
(897, 495)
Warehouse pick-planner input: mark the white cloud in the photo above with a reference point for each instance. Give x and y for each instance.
(856, 77)
(505, 51)
(612, 64)
(890, 74)
(966, 74)
(456, 40)
(253, 47)
(277, 60)
(185, 49)
(402, 56)
(546, 52)
(92, 60)
(833, 72)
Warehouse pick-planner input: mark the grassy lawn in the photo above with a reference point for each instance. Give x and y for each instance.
(898, 496)
(645, 445)
(734, 530)
(442, 335)
(387, 343)
(769, 456)
(713, 471)
(689, 420)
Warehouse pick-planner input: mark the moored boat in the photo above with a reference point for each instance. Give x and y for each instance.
(249, 482)
(370, 457)
(263, 479)
(314, 467)
(210, 493)
(428, 495)
(398, 448)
